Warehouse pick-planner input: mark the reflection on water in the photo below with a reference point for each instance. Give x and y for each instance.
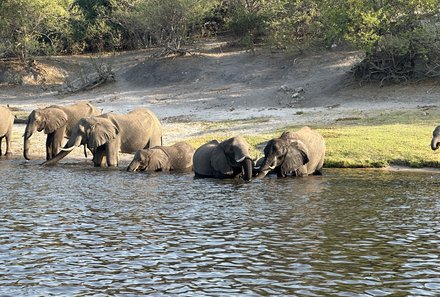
(76, 230)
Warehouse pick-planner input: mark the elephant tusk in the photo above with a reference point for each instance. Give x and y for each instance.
(67, 149)
(240, 160)
(272, 167)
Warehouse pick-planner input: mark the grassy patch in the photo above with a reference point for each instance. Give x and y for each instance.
(379, 140)
(380, 146)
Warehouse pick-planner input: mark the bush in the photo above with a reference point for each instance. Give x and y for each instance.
(247, 25)
(413, 53)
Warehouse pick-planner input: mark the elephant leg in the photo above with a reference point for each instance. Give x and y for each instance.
(318, 170)
(58, 137)
(112, 155)
(98, 157)
(49, 146)
(8, 144)
(1, 139)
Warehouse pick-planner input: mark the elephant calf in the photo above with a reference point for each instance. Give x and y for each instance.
(163, 158)
(226, 159)
(298, 153)
(6, 123)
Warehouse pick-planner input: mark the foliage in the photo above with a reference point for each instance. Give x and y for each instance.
(168, 21)
(31, 27)
(400, 38)
(246, 21)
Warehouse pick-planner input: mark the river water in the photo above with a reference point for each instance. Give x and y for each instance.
(78, 230)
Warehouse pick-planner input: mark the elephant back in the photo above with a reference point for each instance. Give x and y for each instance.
(180, 155)
(202, 159)
(139, 129)
(315, 144)
(77, 111)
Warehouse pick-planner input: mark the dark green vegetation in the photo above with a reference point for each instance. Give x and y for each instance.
(399, 138)
(400, 38)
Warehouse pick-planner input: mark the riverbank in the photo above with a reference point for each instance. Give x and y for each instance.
(222, 92)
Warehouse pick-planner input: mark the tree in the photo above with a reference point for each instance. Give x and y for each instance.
(31, 27)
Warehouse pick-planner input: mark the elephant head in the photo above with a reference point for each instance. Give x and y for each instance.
(92, 132)
(284, 155)
(149, 160)
(435, 142)
(233, 156)
(48, 119)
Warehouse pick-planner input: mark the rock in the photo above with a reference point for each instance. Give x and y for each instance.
(285, 88)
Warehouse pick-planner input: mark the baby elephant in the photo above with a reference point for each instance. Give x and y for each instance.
(163, 158)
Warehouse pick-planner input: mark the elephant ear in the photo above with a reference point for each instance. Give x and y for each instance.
(297, 155)
(158, 160)
(102, 132)
(219, 162)
(55, 118)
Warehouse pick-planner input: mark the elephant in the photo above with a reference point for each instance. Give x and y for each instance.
(57, 122)
(163, 158)
(108, 134)
(299, 153)
(6, 123)
(435, 142)
(226, 159)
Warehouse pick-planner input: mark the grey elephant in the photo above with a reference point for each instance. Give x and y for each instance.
(57, 122)
(6, 123)
(108, 134)
(163, 158)
(435, 141)
(299, 153)
(226, 159)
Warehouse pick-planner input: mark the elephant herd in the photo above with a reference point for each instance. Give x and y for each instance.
(139, 132)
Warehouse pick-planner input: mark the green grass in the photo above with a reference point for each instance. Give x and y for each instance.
(399, 138)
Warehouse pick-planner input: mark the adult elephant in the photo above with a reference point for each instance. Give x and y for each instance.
(163, 158)
(6, 123)
(435, 141)
(57, 122)
(299, 153)
(108, 134)
(226, 159)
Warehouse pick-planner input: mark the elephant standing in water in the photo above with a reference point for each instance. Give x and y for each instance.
(108, 134)
(435, 141)
(226, 159)
(299, 153)
(6, 123)
(57, 122)
(163, 158)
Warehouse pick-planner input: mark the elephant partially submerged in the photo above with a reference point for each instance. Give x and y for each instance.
(57, 122)
(297, 153)
(163, 158)
(108, 134)
(226, 159)
(435, 141)
(6, 123)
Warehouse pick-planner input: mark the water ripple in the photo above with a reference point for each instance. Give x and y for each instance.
(75, 230)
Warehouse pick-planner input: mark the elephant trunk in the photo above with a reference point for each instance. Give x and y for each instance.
(27, 135)
(268, 165)
(56, 159)
(435, 142)
(64, 152)
(134, 165)
(247, 169)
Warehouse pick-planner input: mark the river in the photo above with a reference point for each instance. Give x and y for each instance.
(78, 230)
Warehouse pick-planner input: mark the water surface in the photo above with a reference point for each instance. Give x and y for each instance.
(77, 230)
